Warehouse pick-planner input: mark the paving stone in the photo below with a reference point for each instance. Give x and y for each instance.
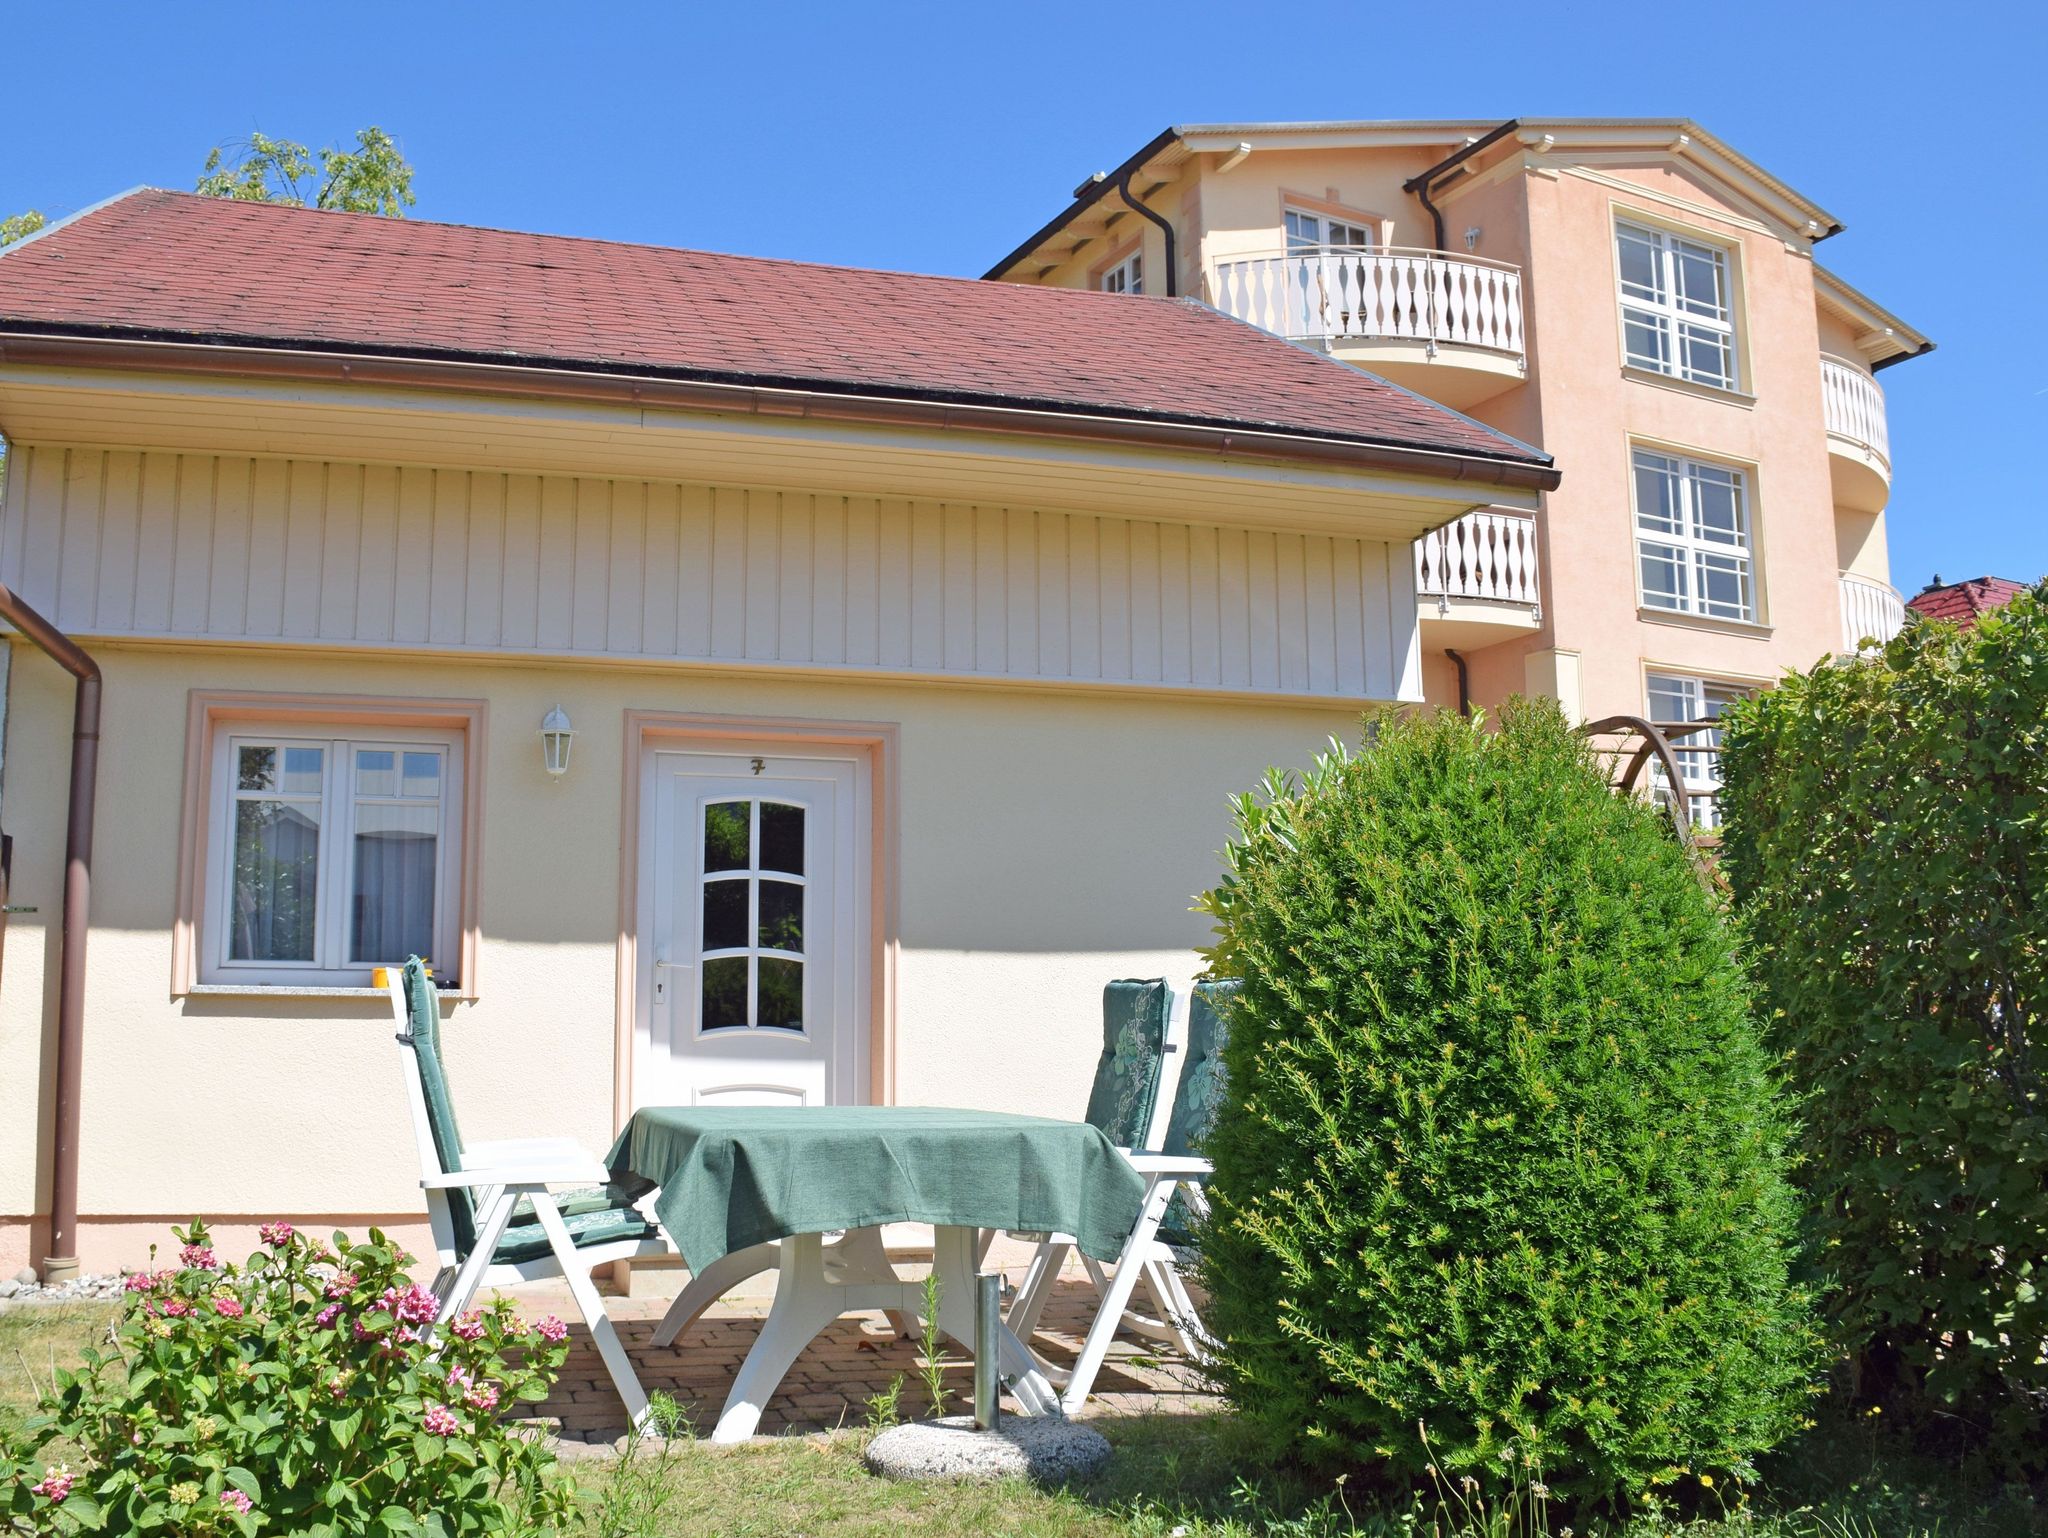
(1038, 1448)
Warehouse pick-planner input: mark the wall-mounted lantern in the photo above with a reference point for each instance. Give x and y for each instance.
(556, 738)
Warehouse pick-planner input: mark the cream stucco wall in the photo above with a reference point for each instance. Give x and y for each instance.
(1046, 842)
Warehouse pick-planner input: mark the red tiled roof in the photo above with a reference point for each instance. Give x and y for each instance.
(169, 265)
(1965, 602)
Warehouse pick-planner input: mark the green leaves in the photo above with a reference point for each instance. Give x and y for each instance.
(1888, 847)
(293, 1395)
(20, 226)
(373, 178)
(1501, 1165)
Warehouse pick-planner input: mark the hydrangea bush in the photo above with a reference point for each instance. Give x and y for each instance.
(298, 1393)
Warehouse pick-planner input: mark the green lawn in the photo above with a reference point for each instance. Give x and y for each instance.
(1190, 1475)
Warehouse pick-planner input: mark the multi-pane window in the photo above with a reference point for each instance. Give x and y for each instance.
(752, 916)
(1126, 277)
(1674, 700)
(1677, 316)
(1693, 547)
(330, 856)
(1315, 232)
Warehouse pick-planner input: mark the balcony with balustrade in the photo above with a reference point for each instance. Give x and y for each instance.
(1859, 443)
(1871, 611)
(1449, 327)
(1476, 580)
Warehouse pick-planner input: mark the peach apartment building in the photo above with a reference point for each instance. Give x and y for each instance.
(1634, 296)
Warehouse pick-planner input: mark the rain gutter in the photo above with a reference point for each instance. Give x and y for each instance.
(767, 398)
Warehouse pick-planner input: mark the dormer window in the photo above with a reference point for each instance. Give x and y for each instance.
(1677, 316)
(1126, 277)
(1319, 232)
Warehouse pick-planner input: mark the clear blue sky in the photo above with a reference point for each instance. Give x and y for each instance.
(935, 137)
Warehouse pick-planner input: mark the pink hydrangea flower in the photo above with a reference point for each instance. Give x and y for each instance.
(56, 1483)
(139, 1281)
(481, 1396)
(326, 1315)
(343, 1284)
(276, 1235)
(362, 1332)
(552, 1329)
(415, 1305)
(440, 1421)
(469, 1327)
(227, 1308)
(235, 1501)
(199, 1257)
(177, 1308)
(405, 1334)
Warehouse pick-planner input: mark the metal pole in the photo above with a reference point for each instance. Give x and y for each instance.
(988, 1335)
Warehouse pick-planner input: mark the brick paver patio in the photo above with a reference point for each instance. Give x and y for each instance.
(830, 1383)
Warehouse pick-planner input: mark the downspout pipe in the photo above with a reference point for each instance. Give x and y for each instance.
(1424, 184)
(61, 1263)
(1464, 680)
(1123, 190)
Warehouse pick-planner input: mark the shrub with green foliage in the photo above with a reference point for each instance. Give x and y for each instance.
(1887, 843)
(294, 1394)
(1500, 1175)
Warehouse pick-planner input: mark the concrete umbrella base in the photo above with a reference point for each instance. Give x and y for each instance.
(1040, 1448)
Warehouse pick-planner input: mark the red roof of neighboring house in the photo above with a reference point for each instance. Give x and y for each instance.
(1964, 602)
(175, 266)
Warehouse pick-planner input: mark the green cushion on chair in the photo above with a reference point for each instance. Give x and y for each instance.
(1199, 1092)
(527, 1240)
(574, 1202)
(1133, 1048)
(423, 1016)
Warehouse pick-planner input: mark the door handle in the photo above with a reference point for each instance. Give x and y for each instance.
(663, 964)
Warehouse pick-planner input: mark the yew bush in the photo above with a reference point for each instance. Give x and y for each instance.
(1887, 843)
(1500, 1175)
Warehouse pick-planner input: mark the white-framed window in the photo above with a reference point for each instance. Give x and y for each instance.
(1694, 551)
(1677, 306)
(1317, 232)
(331, 854)
(1675, 699)
(1127, 276)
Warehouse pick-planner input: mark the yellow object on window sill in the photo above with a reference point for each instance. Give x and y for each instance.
(380, 977)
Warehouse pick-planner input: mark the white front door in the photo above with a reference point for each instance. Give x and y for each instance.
(754, 929)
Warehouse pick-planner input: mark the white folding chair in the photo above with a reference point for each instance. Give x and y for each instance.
(1157, 1249)
(499, 1213)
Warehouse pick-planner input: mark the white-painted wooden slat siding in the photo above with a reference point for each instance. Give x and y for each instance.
(115, 543)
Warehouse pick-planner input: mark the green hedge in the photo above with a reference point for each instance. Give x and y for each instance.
(1500, 1172)
(1887, 841)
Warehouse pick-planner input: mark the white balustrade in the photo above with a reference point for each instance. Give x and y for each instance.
(1870, 611)
(1854, 407)
(1329, 293)
(1482, 555)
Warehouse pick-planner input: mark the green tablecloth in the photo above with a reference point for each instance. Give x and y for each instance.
(733, 1176)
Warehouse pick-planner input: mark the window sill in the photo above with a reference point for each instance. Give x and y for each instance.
(293, 991)
(1750, 629)
(1650, 376)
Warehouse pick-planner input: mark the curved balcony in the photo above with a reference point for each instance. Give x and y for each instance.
(1477, 580)
(1449, 327)
(1859, 443)
(1871, 611)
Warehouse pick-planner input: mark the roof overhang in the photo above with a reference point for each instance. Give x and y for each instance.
(123, 394)
(1881, 337)
(1164, 160)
